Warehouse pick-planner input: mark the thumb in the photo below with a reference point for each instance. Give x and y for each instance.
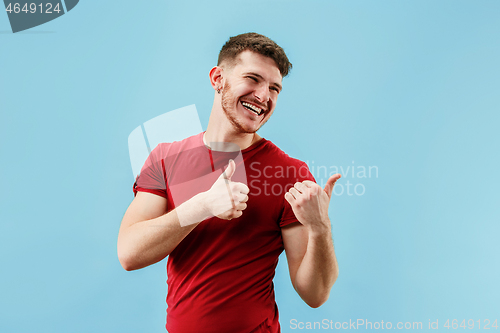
(229, 172)
(330, 183)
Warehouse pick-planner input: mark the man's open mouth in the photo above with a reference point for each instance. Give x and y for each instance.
(258, 111)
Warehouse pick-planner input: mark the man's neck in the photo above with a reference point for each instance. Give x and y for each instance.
(243, 140)
(219, 129)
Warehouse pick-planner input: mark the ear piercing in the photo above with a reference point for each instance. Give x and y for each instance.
(218, 90)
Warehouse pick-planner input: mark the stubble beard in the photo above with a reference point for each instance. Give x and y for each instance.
(227, 102)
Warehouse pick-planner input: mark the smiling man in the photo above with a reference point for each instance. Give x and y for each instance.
(224, 204)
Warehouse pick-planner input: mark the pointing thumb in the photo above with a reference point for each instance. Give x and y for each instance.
(330, 183)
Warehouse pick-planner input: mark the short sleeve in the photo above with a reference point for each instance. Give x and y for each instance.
(152, 176)
(288, 215)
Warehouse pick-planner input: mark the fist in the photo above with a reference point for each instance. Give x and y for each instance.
(227, 199)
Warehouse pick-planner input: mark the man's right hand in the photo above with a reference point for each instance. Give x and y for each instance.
(227, 199)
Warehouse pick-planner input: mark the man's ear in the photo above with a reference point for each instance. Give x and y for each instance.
(216, 77)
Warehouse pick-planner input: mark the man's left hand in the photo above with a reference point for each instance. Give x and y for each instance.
(310, 202)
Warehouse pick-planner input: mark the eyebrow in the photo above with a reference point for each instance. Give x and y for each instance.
(262, 78)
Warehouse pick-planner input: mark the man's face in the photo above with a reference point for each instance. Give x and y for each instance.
(250, 91)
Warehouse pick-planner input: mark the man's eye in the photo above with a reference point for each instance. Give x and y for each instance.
(253, 78)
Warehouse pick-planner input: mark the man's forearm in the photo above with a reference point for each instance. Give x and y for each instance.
(318, 270)
(147, 242)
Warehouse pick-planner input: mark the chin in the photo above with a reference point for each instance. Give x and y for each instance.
(246, 129)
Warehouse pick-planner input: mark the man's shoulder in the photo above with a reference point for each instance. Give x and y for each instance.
(193, 140)
(165, 149)
(285, 168)
(280, 156)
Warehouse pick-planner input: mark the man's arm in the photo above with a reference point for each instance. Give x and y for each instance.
(308, 245)
(148, 234)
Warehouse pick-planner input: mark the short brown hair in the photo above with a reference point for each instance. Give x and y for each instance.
(257, 43)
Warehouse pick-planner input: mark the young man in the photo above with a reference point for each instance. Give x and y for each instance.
(224, 231)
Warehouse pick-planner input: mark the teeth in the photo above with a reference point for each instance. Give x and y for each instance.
(252, 107)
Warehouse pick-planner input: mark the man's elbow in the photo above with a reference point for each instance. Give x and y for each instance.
(127, 266)
(317, 302)
(126, 263)
(126, 259)
(319, 297)
(133, 259)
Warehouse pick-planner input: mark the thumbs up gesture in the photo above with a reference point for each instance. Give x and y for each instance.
(227, 199)
(310, 202)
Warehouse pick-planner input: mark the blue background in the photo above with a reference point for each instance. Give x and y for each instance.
(411, 87)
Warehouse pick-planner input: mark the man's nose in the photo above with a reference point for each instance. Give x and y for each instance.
(262, 93)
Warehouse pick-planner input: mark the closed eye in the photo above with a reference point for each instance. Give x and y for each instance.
(253, 78)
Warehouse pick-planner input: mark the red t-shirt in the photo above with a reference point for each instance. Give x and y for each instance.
(220, 277)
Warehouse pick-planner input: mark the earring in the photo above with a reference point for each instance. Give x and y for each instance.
(218, 90)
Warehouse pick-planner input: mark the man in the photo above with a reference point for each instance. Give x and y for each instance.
(224, 231)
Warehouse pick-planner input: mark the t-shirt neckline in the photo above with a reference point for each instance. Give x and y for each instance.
(252, 147)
